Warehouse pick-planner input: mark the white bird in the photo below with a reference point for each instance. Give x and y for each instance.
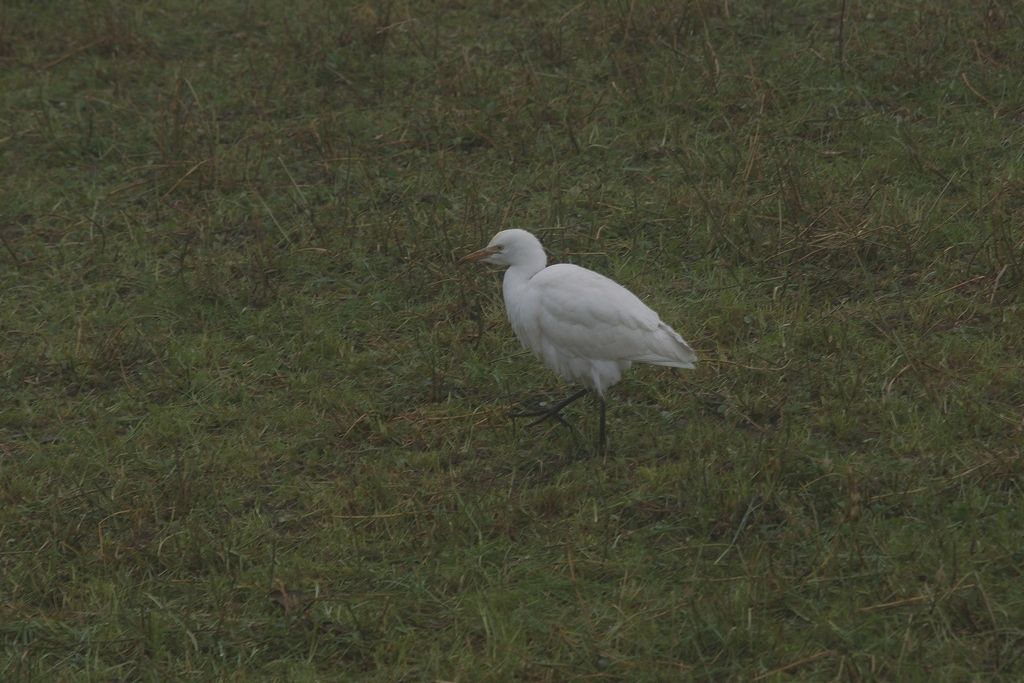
(586, 327)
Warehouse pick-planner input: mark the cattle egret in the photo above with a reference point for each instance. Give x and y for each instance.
(587, 328)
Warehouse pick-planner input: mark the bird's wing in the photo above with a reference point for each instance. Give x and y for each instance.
(587, 315)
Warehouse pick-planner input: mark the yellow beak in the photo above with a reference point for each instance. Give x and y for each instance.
(479, 255)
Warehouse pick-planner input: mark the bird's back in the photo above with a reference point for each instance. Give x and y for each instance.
(588, 328)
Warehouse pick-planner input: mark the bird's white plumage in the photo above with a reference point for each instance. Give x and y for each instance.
(586, 327)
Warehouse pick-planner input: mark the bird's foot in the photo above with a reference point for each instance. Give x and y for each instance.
(542, 412)
(545, 411)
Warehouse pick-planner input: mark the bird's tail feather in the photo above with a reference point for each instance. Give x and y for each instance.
(670, 350)
(689, 365)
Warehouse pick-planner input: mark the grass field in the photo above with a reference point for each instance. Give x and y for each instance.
(253, 419)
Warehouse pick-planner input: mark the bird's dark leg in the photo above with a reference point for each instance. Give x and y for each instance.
(552, 411)
(600, 431)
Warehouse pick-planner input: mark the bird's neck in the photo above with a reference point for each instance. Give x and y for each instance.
(517, 276)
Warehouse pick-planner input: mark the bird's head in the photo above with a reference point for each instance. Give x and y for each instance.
(510, 248)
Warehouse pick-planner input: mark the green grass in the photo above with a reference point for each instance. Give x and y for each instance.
(254, 416)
